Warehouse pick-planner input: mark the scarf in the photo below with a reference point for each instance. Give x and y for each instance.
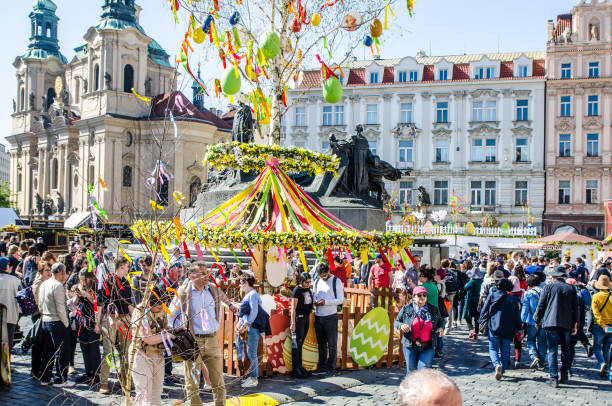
(422, 312)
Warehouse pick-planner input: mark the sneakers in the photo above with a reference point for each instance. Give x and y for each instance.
(471, 334)
(603, 371)
(83, 379)
(553, 383)
(45, 383)
(589, 351)
(498, 372)
(104, 389)
(517, 365)
(535, 363)
(249, 383)
(63, 384)
(71, 370)
(207, 387)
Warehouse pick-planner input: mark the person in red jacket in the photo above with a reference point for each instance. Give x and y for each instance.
(340, 271)
(380, 274)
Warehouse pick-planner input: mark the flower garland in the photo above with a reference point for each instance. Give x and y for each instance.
(252, 157)
(220, 237)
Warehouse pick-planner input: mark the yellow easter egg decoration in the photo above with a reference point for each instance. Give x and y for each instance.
(315, 19)
(376, 28)
(198, 35)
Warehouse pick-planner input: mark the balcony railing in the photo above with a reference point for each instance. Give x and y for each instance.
(479, 231)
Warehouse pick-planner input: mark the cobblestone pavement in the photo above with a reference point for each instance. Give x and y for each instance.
(465, 361)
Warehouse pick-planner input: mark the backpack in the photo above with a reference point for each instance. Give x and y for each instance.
(451, 282)
(25, 299)
(334, 289)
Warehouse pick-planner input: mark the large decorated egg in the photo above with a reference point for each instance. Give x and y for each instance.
(332, 90)
(315, 19)
(267, 303)
(376, 28)
(310, 349)
(370, 337)
(279, 324)
(351, 21)
(230, 82)
(270, 44)
(276, 270)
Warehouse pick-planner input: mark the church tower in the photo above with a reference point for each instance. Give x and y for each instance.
(198, 95)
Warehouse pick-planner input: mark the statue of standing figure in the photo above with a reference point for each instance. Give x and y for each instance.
(242, 130)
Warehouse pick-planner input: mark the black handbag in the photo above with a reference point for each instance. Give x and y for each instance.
(184, 346)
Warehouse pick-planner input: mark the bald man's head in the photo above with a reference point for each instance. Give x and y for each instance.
(429, 387)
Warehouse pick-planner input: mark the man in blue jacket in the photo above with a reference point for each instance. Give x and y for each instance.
(557, 314)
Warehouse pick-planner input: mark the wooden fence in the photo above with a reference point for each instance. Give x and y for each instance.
(356, 305)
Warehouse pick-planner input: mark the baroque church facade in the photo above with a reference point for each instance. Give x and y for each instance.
(78, 122)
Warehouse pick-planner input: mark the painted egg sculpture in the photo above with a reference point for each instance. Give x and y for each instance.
(310, 350)
(276, 270)
(279, 324)
(370, 337)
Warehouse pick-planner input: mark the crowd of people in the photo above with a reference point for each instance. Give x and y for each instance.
(139, 308)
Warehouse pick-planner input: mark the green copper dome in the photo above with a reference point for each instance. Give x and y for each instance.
(44, 4)
(43, 35)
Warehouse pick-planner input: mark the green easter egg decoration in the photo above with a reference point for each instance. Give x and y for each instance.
(332, 90)
(270, 44)
(229, 82)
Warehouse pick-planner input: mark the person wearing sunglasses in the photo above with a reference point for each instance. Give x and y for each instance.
(420, 323)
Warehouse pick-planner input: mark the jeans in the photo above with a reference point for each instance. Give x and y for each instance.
(554, 337)
(452, 312)
(301, 329)
(536, 343)
(90, 349)
(252, 344)
(326, 328)
(496, 345)
(601, 345)
(418, 358)
(56, 342)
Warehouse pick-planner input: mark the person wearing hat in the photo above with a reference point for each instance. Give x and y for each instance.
(420, 323)
(151, 338)
(602, 326)
(494, 275)
(9, 286)
(470, 308)
(557, 314)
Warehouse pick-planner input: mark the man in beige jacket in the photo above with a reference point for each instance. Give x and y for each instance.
(199, 305)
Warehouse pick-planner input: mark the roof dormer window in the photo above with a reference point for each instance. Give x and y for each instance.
(443, 75)
(373, 77)
(522, 71)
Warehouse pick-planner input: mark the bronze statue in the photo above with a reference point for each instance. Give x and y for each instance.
(423, 197)
(242, 130)
(377, 172)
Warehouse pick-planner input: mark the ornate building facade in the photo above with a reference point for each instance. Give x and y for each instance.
(469, 127)
(579, 119)
(78, 121)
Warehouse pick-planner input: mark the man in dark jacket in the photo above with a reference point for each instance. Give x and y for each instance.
(557, 314)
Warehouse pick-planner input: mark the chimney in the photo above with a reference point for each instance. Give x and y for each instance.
(551, 29)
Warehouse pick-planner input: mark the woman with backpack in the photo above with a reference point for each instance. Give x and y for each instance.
(472, 296)
(420, 323)
(501, 314)
(602, 326)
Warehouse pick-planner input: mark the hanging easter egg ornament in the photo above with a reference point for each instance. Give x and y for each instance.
(206, 25)
(296, 25)
(332, 90)
(198, 35)
(270, 44)
(229, 82)
(315, 19)
(235, 18)
(351, 21)
(367, 41)
(376, 28)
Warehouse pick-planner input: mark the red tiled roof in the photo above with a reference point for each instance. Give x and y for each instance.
(182, 108)
(312, 78)
(563, 21)
(506, 69)
(461, 71)
(388, 75)
(428, 73)
(539, 68)
(356, 77)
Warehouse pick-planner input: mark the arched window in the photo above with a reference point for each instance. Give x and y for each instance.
(22, 102)
(54, 173)
(162, 191)
(96, 77)
(128, 78)
(39, 30)
(194, 190)
(48, 30)
(127, 176)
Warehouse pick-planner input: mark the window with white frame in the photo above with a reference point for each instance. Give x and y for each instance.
(490, 71)
(522, 150)
(522, 71)
(414, 76)
(490, 187)
(592, 144)
(520, 192)
(406, 113)
(402, 76)
(440, 192)
(593, 105)
(442, 112)
(372, 114)
(300, 116)
(405, 192)
(339, 115)
(372, 145)
(476, 193)
(478, 73)
(491, 110)
(564, 192)
(443, 74)
(374, 77)
(477, 111)
(522, 110)
(327, 115)
(565, 144)
(441, 151)
(592, 192)
(566, 106)
(490, 150)
(406, 148)
(477, 150)
(566, 71)
(593, 69)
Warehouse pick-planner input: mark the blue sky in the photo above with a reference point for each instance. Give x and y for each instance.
(446, 27)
